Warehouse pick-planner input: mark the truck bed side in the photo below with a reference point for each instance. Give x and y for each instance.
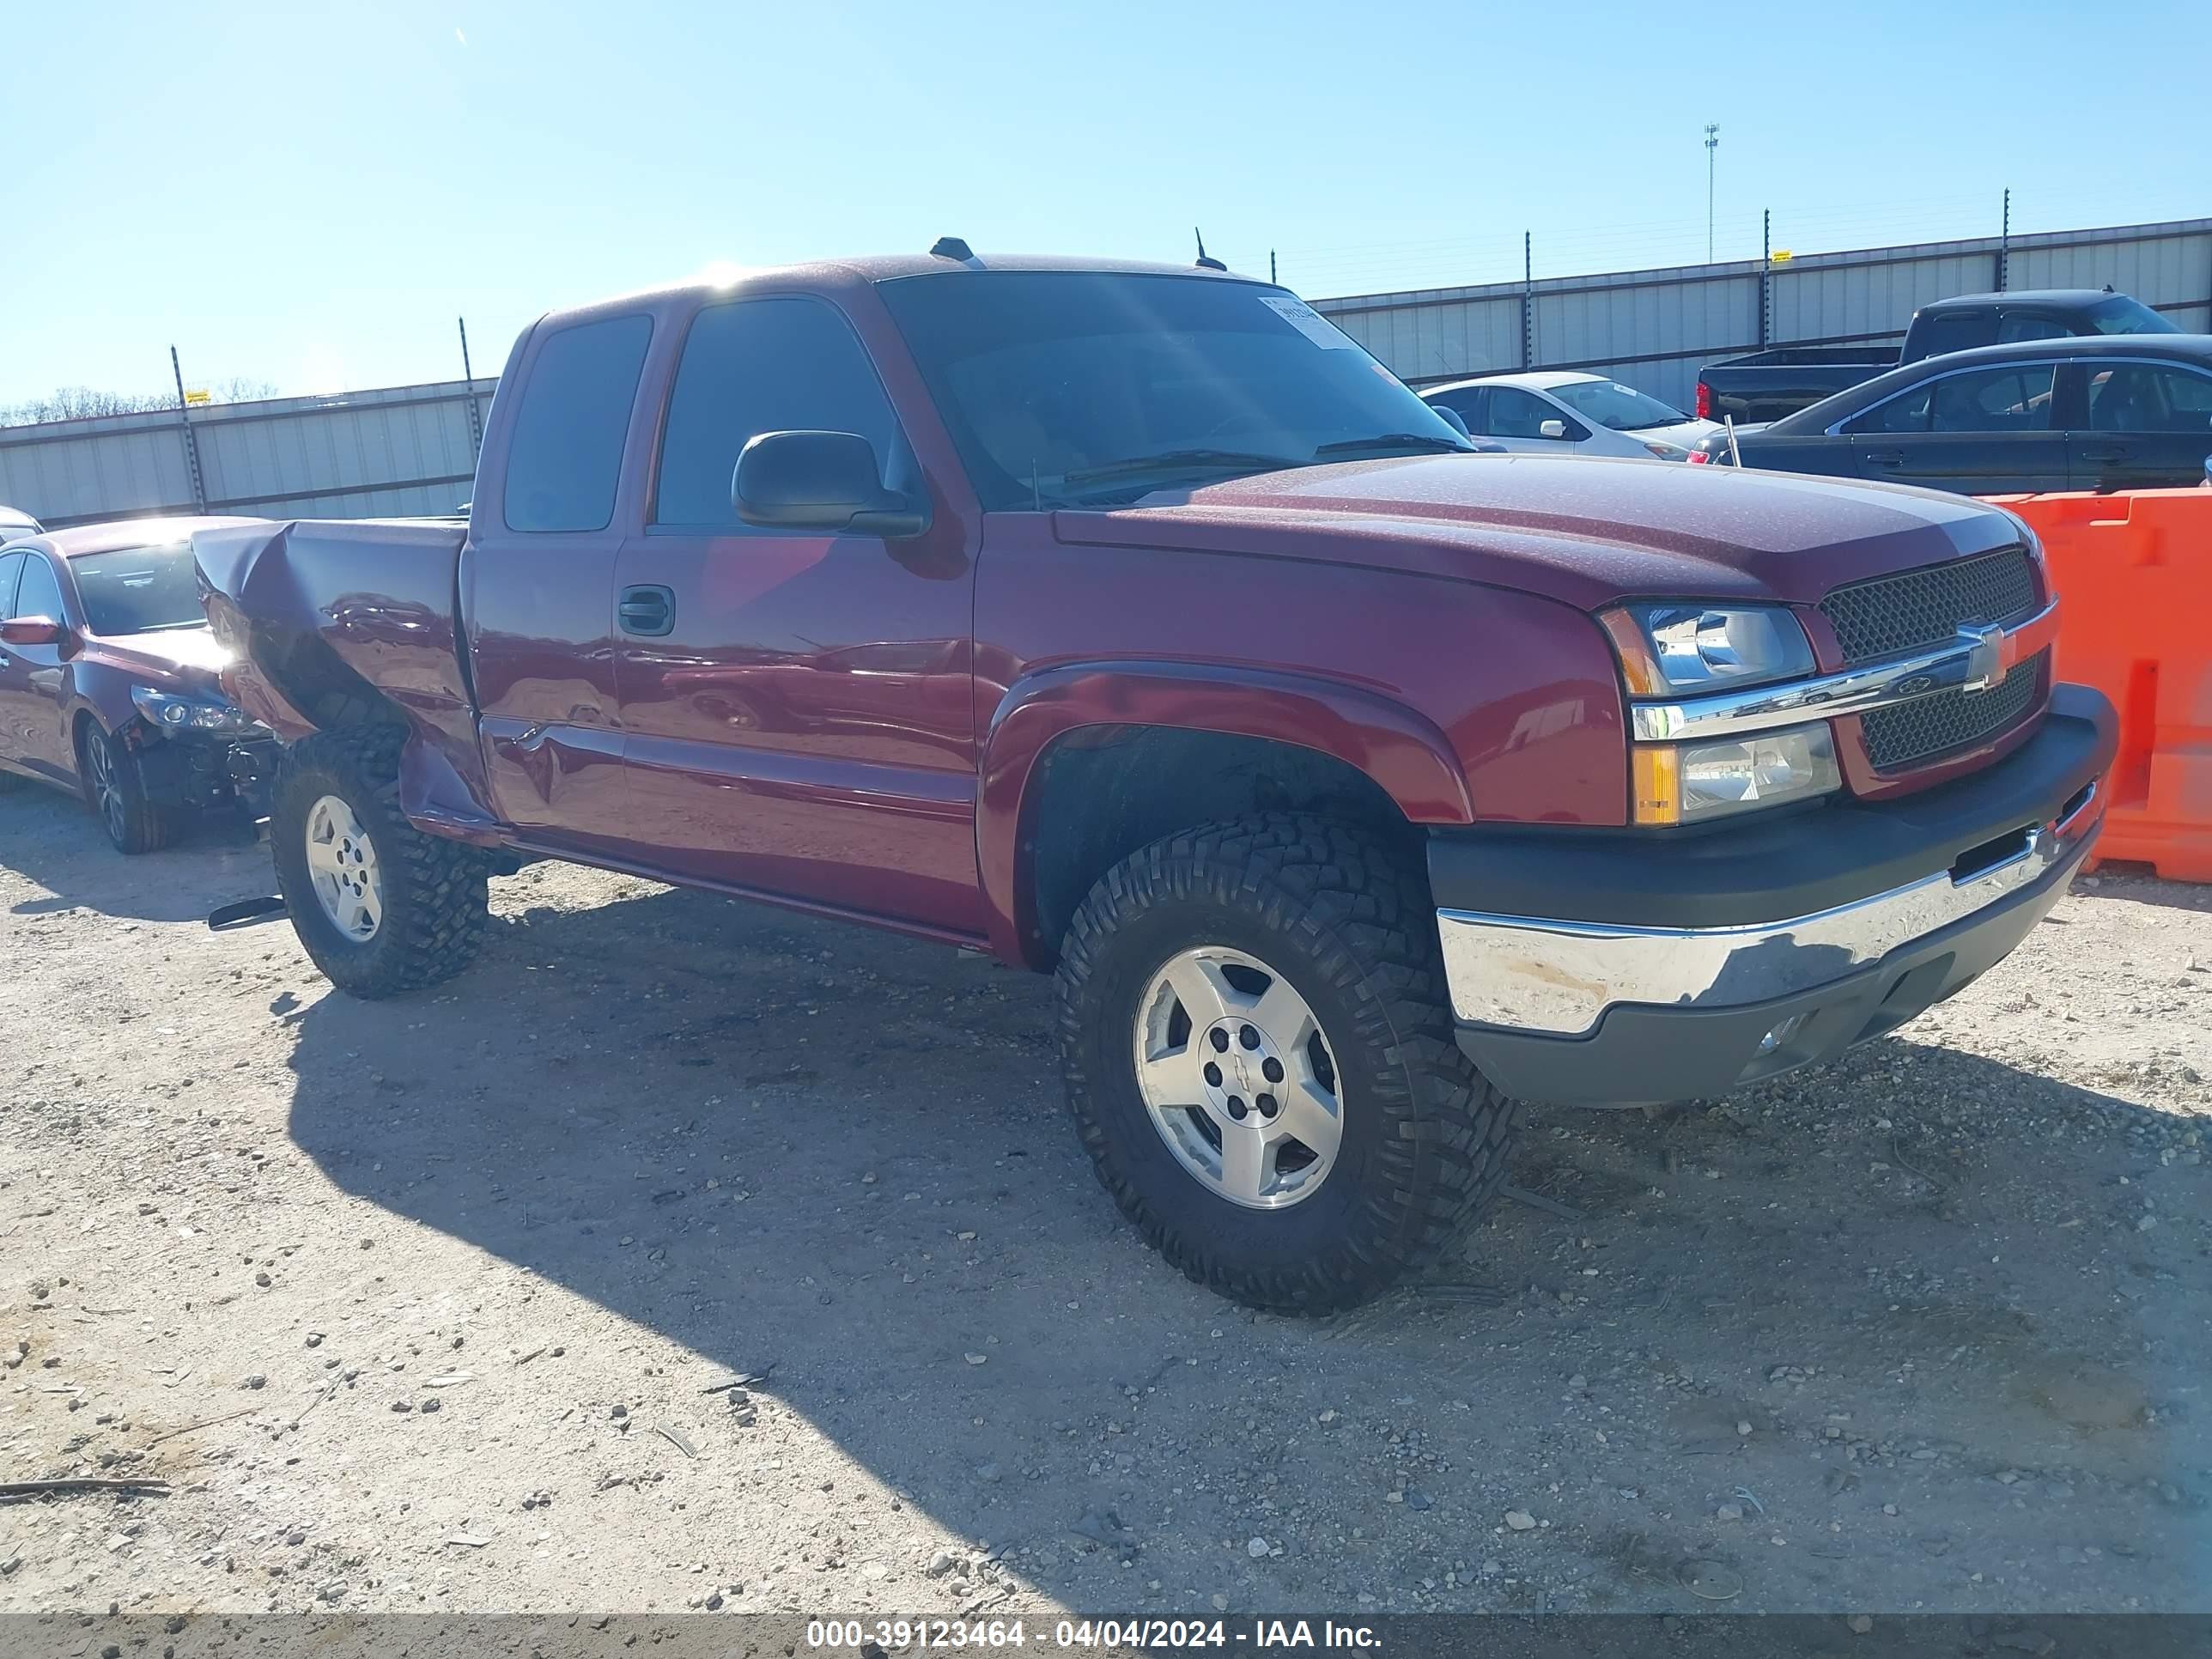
(338, 621)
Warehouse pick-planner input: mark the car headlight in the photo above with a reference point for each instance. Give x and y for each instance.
(1667, 648)
(1688, 783)
(168, 712)
(1666, 452)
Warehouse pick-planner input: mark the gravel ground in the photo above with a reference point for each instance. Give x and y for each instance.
(424, 1305)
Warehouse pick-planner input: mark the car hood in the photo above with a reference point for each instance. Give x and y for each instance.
(1585, 531)
(172, 658)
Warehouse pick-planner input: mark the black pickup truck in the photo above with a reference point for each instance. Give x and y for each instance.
(1768, 385)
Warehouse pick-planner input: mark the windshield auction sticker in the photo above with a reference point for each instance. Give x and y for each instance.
(1308, 322)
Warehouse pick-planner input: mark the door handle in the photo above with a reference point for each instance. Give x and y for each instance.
(2105, 454)
(1885, 457)
(647, 610)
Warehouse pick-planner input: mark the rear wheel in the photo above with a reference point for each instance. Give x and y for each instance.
(115, 789)
(1258, 1052)
(381, 907)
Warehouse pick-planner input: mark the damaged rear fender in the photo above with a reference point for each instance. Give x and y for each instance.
(333, 624)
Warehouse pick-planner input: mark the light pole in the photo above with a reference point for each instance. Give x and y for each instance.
(1712, 143)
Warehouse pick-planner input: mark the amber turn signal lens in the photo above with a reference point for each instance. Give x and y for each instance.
(1655, 775)
(1634, 650)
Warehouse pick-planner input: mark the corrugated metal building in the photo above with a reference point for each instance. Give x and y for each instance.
(412, 449)
(402, 450)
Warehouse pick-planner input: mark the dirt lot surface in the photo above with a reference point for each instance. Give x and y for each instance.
(419, 1306)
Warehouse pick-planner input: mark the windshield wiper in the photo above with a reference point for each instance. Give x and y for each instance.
(1181, 460)
(1395, 441)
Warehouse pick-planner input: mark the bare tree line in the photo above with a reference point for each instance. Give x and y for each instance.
(73, 403)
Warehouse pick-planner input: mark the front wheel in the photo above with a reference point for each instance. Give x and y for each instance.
(381, 907)
(115, 789)
(1259, 1054)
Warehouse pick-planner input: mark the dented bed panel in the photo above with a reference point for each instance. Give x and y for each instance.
(318, 609)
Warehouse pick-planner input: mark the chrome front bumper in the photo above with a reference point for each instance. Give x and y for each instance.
(1561, 978)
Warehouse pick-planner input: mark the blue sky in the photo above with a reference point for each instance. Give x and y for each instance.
(310, 194)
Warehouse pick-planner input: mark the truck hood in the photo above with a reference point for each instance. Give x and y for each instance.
(1586, 532)
(183, 659)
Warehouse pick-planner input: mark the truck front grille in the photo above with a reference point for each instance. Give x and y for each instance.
(1913, 732)
(1921, 610)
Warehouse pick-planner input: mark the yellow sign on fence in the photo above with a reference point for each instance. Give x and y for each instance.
(197, 395)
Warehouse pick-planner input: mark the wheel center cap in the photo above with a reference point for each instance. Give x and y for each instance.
(1243, 1072)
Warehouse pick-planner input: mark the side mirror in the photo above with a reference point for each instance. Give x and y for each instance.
(1552, 429)
(1452, 418)
(36, 630)
(2208, 472)
(826, 481)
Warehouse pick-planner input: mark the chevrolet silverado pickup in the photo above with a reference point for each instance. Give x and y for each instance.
(1134, 625)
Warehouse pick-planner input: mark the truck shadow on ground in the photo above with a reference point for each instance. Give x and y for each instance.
(843, 1155)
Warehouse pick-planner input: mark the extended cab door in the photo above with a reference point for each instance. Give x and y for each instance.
(2144, 425)
(1979, 431)
(539, 581)
(797, 707)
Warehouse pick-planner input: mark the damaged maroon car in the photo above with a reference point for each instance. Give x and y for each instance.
(109, 677)
(1134, 625)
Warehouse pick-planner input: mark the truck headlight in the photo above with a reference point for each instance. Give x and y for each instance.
(1673, 647)
(1688, 783)
(169, 713)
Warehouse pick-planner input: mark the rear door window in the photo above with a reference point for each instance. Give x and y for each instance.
(1905, 412)
(755, 365)
(565, 456)
(2012, 398)
(1469, 404)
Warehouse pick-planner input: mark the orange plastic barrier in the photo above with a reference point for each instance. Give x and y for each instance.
(2135, 572)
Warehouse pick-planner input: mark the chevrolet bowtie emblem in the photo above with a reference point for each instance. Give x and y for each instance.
(1984, 657)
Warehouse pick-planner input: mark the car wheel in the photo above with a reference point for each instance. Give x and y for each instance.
(1259, 1054)
(115, 789)
(381, 907)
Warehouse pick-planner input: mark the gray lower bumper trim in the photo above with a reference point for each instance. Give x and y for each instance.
(1560, 978)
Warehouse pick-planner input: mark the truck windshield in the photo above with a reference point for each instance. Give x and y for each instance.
(1608, 403)
(139, 590)
(1095, 387)
(2123, 315)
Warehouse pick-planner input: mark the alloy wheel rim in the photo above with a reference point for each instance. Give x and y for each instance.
(1238, 1077)
(106, 789)
(342, 869)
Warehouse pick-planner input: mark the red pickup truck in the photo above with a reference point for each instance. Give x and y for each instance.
(1134, 625)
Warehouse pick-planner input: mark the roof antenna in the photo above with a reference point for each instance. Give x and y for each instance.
(949, 247)
(1205, 264)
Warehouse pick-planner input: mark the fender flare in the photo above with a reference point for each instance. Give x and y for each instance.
(1400, 750)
